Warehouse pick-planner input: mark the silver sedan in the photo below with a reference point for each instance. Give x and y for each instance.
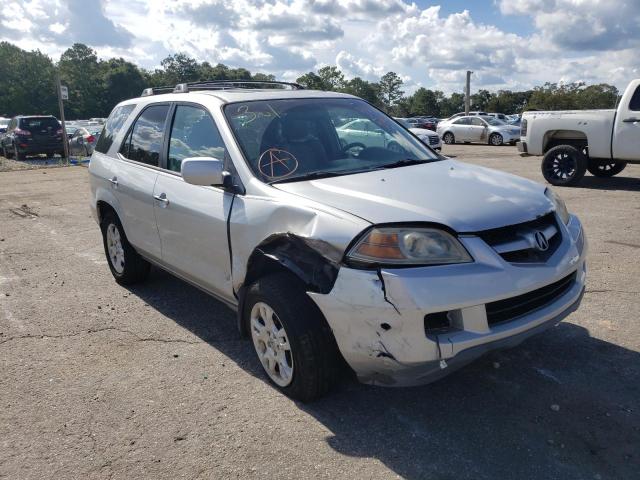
(479, 130)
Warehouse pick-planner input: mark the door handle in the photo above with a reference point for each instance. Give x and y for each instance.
(114, 181)
(162, 198)
(631, 120)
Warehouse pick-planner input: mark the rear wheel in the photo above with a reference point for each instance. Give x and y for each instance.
(564, 165)
(293, 342)
(448, 138)
(126, 265)
(6, 153)
(17, 155)
(605, 168)
(496, 139)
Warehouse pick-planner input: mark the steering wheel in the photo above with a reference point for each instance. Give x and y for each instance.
(349, 146)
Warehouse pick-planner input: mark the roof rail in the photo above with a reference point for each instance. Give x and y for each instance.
(233, 84)
(155, 91)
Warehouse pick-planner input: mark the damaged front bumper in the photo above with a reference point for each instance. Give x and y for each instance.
(378, 317)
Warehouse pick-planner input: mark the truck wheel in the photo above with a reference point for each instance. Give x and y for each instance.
(291, 338)
(605, 168)
(496, 139)
(126, 265)
(564, 165)
(448, 138)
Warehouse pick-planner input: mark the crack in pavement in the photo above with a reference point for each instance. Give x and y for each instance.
(89, 332)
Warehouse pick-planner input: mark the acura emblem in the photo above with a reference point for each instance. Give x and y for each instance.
(542, 243)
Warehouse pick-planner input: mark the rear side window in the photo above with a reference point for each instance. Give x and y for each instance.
(634, 104)
(112, 127)
(463, 121)
(193, 134)
(144, 142)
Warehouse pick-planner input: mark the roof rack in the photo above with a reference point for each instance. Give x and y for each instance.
(155, 91)
(221, 85)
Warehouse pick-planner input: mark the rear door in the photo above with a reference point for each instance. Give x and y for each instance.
(135, 176)
(460, 129)
(192, 219)
(626, 134)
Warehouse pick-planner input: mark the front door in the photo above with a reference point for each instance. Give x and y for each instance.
(192, 219)
(626, 134)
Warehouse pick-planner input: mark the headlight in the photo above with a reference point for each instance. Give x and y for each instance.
(408, 246)
(561, 208)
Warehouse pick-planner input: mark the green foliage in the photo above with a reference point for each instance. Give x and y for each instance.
(27, 86)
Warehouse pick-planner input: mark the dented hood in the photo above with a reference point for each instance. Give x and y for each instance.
(464, 197)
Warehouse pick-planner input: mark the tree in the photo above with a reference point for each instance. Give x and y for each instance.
(332, 78)
(363, 89)
(79, 70)
(311, 81)
(390, 89)
(120, 80)
(481, 99)
(424, 102)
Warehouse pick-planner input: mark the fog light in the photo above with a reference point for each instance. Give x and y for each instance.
(438, 322)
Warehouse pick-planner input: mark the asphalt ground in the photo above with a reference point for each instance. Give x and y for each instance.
(101, 381)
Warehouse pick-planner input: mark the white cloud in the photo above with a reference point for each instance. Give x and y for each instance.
(588, 40)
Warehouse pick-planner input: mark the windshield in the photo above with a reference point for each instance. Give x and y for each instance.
(287, 140)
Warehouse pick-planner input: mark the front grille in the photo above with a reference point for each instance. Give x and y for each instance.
(516, 243)
(434, 139)
(514, 307)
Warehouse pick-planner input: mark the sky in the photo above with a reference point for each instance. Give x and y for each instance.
(508, 44)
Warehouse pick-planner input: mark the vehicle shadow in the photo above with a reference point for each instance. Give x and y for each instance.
(562, 405)
(628, 184)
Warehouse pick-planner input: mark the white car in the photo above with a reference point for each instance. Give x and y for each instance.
(396, 263)
(477, 129)
(576, 141)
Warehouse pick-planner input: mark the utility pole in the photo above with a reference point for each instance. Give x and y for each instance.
(467, 96)
(65, 138)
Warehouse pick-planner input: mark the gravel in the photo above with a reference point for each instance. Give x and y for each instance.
(99, 381)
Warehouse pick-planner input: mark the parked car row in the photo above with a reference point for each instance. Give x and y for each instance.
(478, 129)
(31, 135)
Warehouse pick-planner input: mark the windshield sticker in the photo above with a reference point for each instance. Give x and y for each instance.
(276, 163)
(247, 116)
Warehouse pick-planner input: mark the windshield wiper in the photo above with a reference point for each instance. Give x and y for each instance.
(402, 163)
(308, 176)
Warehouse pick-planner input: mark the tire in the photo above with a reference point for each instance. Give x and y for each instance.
(126, 265)
(496, 139)
(564, 165)
(448, 138)
(5, 152)
(605, 168)
(309, 358)
(17, 155)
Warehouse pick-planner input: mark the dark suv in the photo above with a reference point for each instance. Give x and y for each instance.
(32, 135)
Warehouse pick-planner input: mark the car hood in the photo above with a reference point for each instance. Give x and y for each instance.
(464, 197)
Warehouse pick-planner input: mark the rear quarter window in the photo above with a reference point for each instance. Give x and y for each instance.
(116, 120)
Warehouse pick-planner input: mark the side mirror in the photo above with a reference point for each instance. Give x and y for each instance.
(205, 171)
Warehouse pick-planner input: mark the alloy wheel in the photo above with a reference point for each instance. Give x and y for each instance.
(271, 343)
(114, 247)
(562, 166)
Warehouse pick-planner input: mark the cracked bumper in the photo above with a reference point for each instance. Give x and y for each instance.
(384, 340)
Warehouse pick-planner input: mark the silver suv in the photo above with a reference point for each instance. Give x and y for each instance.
(383, 258)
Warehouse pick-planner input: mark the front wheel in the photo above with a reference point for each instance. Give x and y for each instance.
(605, 168)
(126, 265)
(17, 155)
(293, 342)
(564, 165)
(496, 139)
(448, 138)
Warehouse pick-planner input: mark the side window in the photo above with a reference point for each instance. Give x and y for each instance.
(634, 104)
(112, 127)
(145, 141)
(193, 134)
(462, 121)
(477, 122)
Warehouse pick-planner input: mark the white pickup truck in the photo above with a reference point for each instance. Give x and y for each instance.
(574, 141)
